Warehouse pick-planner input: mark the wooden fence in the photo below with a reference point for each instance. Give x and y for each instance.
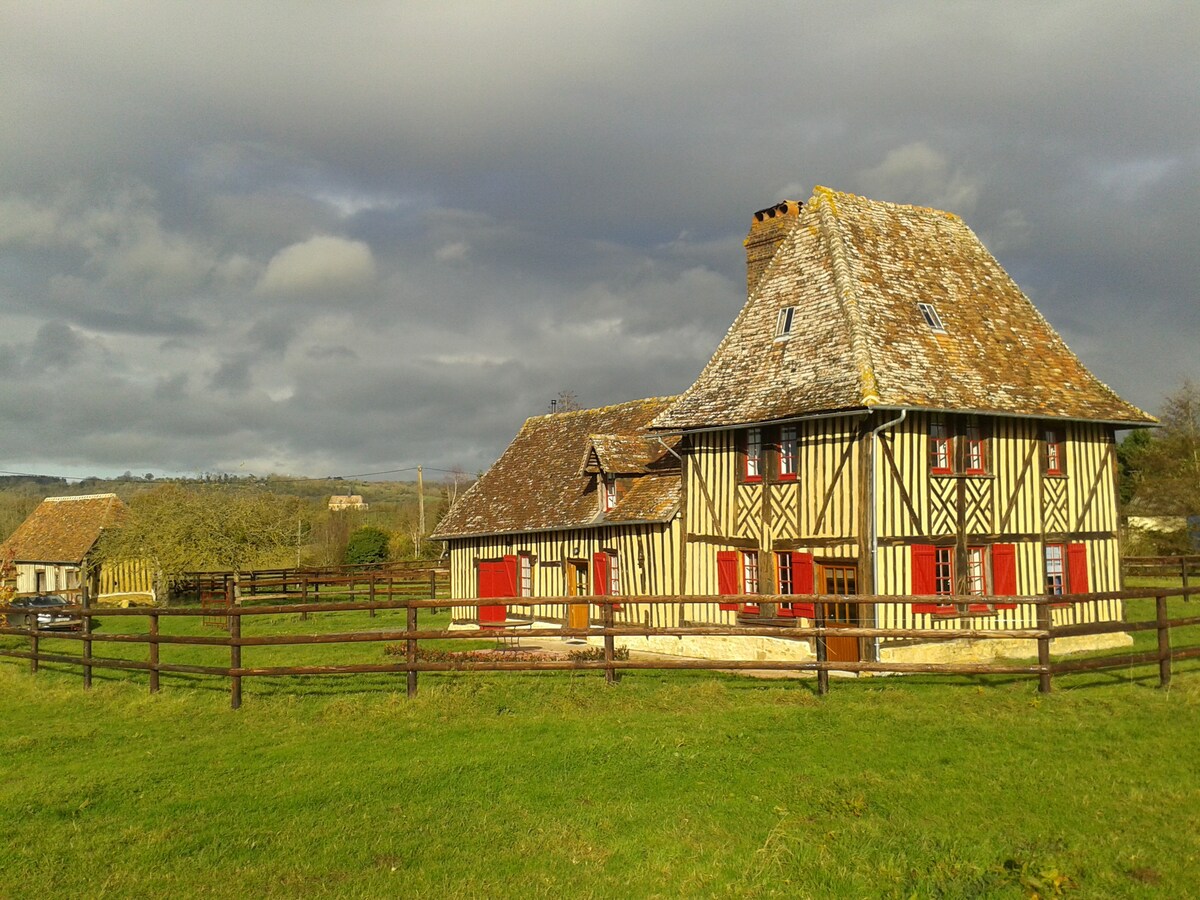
(1181, 567)
(411, 636)
(302, 580)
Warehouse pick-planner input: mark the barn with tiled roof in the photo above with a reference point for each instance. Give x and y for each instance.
(52, 551)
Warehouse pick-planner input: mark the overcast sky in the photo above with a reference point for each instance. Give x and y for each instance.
(333, 238)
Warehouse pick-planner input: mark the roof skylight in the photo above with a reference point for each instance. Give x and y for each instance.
(932, 319)
(783, 328)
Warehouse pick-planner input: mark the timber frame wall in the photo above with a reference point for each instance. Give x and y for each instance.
(825, 511)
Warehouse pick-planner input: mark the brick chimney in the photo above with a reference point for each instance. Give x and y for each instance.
(767, 231)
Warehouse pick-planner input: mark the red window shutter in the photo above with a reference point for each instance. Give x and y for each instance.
(1004, 573)
(600, 574)
(510, 576)
(924, 558)
(1077, 569)
(728, 579)
(802, 583)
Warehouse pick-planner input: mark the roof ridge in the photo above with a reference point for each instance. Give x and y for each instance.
(79, 497)
(595, 409)
(890, 204)
(827, 211)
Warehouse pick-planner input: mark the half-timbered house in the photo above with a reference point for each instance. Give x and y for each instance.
(888, 414)
(53, 552)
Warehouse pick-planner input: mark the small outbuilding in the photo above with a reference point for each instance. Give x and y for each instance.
(53, 552)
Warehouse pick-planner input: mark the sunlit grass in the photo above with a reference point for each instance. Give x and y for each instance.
(541, 784)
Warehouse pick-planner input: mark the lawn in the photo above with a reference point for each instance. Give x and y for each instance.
(681, 784)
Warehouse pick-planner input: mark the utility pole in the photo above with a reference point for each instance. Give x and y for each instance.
(420, 510)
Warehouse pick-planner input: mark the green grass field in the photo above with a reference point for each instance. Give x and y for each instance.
(692, 784)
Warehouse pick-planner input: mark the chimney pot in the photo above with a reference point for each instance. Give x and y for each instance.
(767, 230)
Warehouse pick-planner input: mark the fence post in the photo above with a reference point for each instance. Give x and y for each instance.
(86, 625)
(822, 651)
(433, 587)
(1043, 624)
(154, 653)
(304, 596)
(1183, 576)
(610, 672)
(371, 593)
(1164, 640)
(32, 619)
(235, 651)
(410, 650)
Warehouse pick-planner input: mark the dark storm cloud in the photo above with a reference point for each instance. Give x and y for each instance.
(330, 238)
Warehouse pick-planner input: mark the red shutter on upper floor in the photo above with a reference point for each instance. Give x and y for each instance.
(1004, 573)
(728, 580)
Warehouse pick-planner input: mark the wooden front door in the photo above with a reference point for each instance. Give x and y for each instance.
(839, 578)
(577, 586)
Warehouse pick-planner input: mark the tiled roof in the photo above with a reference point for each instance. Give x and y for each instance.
(538, 484)
(63, 529)
(855, 269)
(623, 454)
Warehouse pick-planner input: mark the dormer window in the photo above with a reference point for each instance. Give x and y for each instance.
(783, 327)
(932, 319)
(608, 496)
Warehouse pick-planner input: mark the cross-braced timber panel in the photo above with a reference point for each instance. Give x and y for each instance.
(943, 498)
(1054, 504)
(749, 510)
(785, 511)
(979, 506)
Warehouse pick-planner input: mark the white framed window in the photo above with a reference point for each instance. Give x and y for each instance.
(930, 314)
(941, 446)
(976, 448)
(608, 497)
(943, 571)
(788, 451)
(783, 325)
(1056, 573)
(614, 575)
(754, 454)
(977, 571)
(749, 571)
(525, 574)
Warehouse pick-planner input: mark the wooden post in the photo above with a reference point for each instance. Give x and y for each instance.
(822, 651)
(610, 672)
(304, 596)
(1164, 641)
(1043, 624)
(420, 512)
(1183, 576)
(86, 626)
(433, 587)
(32, 619)
(371, 593)
(410, 649)
(235, 652)
(154, 653)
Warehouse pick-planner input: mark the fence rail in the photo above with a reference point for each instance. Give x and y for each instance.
(1181, 567)
(385, 597)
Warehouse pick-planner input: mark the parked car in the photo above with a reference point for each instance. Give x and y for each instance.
(45, 607)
